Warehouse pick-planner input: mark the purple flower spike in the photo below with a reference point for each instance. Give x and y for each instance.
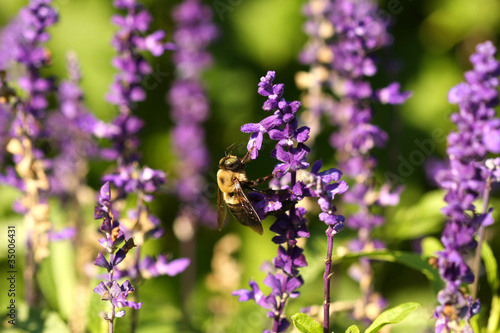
(291, 153)
(127, 89)
(110, 290)
(130, 178)
(34, 20)
(25, 130)
(190, 108)
(466, 180)
(343, 35)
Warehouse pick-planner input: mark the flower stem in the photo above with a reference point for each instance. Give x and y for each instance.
(279, 313)
(112, 306)
(111, 327)
(476, 265)
(326, 277)
(136, 281)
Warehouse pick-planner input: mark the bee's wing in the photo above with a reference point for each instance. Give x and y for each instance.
(243, 210)
(221, 210)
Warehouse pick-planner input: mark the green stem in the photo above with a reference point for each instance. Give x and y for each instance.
(476, 266)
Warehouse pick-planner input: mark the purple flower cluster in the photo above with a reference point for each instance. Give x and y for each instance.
(350, 31)
(137, 224)
(127, 88)
(128, 41)
(290, 223)
(24, 44)
(25, 119)
(110, 290)
(190, 106)
(465, 181)
(71, 133)
(343, 36)
(194, 32)
(320, 183)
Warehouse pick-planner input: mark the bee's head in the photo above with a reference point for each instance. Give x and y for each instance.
(231, 162)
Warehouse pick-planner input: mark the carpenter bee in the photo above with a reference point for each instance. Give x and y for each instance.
(232, 181)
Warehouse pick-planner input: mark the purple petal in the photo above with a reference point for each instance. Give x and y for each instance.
(250, 128)
(101, 261)
(303, 134)
(100, 289)
(243, 295)
(174, 267)
(392, 95)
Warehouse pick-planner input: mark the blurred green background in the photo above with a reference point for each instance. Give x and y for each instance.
(432, 43)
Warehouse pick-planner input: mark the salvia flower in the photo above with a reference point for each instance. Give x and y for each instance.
(150, 267)
(25, 38)
(343, 34)
(71, 133)
(27, 33)
(130, 178)
(466, 180)
(110, 290)
(194, 32)
(117, 295)
(291, 153)
(127, 88)
(129, 41)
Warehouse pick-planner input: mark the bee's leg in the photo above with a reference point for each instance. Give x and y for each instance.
(246, 158)
(252, 183)
(258, 190)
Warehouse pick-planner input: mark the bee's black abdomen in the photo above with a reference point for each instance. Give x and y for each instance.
(246, 215)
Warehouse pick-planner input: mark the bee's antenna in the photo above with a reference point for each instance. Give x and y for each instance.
(225, 152)
(230, 151)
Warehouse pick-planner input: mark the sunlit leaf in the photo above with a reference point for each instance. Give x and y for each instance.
(431, 245)
(494, 319)
(491, 265)
(422, 218)
(352, 329)
(392, 316)
(54, 323)
(306, 324)
(411, 260)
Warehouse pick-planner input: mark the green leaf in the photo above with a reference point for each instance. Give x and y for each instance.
(494, 319)
(474, 324)
(95, 323)
(54, 323)
(306, 324)
(491, 266)
(409, 259)
(392, 316)
(431, 245)
(352, 329)
(424, 217)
